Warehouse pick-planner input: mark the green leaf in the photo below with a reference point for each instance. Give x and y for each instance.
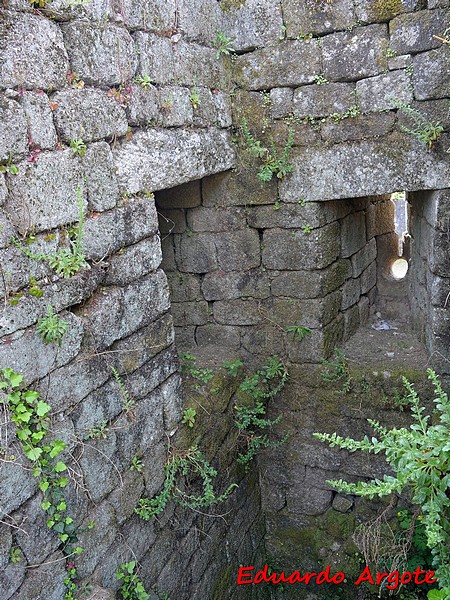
(14, 378)
(33, 453)
(60, 466)
(43, 485)
(57, 447)
(42, 408)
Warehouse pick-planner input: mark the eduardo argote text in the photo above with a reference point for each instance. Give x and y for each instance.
(248, 575)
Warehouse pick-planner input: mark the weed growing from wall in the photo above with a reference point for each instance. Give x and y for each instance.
(420, 459)
(181, 471)
(427, 132)
(64, 261)
(272, 163)
(51, 328)
(250, 413)
(223, 45)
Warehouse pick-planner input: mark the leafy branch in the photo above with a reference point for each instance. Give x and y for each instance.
(420, 458)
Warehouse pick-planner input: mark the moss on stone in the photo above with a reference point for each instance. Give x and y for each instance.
(383, 10)
(223, 583)
(228, 5)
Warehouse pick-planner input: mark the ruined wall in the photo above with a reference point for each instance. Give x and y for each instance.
(154, 107)
(97, 108)
(431, 273)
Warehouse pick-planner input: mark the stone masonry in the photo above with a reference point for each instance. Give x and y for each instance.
(133, 113)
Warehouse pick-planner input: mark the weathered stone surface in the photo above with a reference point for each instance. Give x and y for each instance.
(184, 287)
(13, 131)
(304, 284)
(35, 539)
(21, 268)
(237, 189)
(100, 56)
(199, 19)
(44, 194)
(253, 24)
(221, 285)
(189, 313)
(26, 353)
(7, 231)
(157, 159)
(399, 62)
(325, 99)
(430, 75)
(222, 103)
(368, 278)
(187, 195)
(16, 485)
(287, 64)
(11, 578)
(216, 219)
(281, 102)
(40, 119)
(364, 257)
(114, 313)
(218, 335)
(311, 313)
(380, 92)
(102, 188)
(365, 53)
(294, 215)
(372, 125)
(380, 218)
(109, 231)
(238, 250)
(369, 11)
(238, 312)
(173, 221)
(175, 106)
(96, 541)
(134, 262)
(282, 250)
(46, 581)
(188, 57)
(141, 346)
(414, 32)
(33, 52)
(196, 254)
(398, 162)
(3, 194)
(314, 502)
(353, 233)
(156, 57)
(59, 295)
(301, 20)
(350, 293)
(143, 108)
(5, 545)
(88, 114)
(156, 16)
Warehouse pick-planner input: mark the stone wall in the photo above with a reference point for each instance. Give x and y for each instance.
(97, 108)
(431, 279)
(157, 108)
(240, 275)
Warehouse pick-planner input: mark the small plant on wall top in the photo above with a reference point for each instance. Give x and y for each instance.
(420, 460)
(272, 163)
